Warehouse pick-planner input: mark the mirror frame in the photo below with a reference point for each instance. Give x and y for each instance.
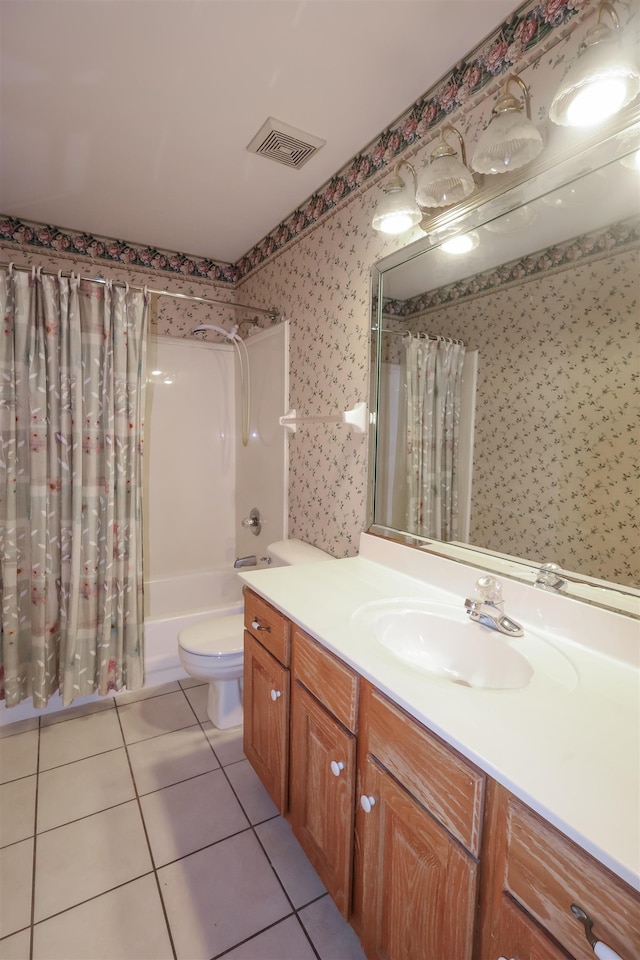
(602, 147)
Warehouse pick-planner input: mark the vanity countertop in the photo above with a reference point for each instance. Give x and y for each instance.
(572, 754)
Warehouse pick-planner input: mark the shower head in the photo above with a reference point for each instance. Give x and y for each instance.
(228, 334)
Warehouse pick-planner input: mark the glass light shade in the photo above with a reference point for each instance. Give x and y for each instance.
(509, 142)
(444, 181)
(601, 82)
(397, 211)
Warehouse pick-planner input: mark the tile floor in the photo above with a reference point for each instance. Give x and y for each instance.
(133, 828)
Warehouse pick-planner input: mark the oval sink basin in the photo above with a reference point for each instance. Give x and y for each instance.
(464, 652)
(442, 640)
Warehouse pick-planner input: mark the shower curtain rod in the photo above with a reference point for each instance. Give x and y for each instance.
(272, 314)
(428, 336)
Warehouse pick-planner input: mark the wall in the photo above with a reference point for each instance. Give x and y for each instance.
(189, 463)
(314, 268)
(321, 283)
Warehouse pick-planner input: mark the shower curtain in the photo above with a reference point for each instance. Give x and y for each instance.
(72, 368)
(434, 387)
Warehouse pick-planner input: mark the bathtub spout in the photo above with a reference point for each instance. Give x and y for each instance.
(245, 562)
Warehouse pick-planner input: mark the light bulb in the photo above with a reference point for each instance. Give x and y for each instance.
(461, 244)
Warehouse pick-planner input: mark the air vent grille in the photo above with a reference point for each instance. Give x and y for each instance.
(278, 141)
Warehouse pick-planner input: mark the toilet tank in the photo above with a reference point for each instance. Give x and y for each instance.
(287, 553)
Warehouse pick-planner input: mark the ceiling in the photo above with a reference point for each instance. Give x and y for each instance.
(130, 118)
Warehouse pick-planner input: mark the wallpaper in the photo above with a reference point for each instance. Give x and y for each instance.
(315, 268)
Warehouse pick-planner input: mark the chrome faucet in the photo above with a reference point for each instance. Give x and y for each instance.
(549, 577)
(488, 608)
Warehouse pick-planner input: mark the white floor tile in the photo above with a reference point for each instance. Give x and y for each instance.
(16, 872)
(18, 756)
(226, 743)
(161, 761)
(255, 800)
(20, 726)
(220, 896)
(285, 941)
(134, 695)
(190, 815)
(84, 787)
(84, 736)
(16, 947)
(79, 710)
(89, 857)
(331, 934)
(190, 682)
(298, 877)
(17, 810)
(124, 924)
(155, 716)
(197, 697)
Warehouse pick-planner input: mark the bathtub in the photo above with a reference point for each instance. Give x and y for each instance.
(174, 603)
(171, 603)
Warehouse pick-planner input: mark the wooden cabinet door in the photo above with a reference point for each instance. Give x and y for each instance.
(266, 719)
(516, 936)
(322, 792)
(417, 888)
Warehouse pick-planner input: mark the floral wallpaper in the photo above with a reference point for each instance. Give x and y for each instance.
(314, 268)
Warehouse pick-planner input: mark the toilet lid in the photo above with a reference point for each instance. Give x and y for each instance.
(214, 637)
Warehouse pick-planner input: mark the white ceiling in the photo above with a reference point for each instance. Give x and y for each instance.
(130, 118)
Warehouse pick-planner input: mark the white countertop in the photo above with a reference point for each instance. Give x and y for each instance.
(572, 752)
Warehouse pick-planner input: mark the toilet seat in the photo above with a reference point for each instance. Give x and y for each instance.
(217, 637)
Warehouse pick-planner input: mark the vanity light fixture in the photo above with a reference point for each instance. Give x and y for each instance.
(446, 179)
(398, 210)
(510, 140)
(601, 81)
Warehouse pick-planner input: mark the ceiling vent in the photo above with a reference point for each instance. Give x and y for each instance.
(279, 141)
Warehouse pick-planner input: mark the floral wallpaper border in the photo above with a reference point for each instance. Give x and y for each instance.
(616, 237)
(528, 26)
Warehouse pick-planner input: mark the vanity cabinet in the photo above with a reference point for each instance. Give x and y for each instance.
(266, 696)
(532, 874)
(428, 857)
(323, 763)
(417, 839)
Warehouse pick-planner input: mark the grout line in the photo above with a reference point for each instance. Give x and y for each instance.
(154, 868)
(146, 834)
(35, 841)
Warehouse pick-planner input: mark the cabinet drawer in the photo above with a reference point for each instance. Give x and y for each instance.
(267, 625)
(332, 682)
(546, 872)
(449, 786)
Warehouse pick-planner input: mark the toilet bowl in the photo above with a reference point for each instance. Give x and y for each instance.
(212, 650)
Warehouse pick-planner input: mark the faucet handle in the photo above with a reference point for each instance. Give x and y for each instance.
(489, 589)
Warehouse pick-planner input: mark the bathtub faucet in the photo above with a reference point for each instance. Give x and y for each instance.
(245, 562)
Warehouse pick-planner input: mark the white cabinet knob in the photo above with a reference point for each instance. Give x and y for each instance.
(336, 767)
(275, 694)
(367, 803)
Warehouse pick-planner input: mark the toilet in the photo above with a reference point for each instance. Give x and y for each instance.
(212, 650)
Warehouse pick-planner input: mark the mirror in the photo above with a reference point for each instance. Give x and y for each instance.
(546, 303)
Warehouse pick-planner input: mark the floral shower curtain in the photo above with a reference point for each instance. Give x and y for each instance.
(72, 369)
(434, 388)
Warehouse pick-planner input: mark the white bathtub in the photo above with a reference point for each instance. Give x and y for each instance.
(176, 602)
(171, 604)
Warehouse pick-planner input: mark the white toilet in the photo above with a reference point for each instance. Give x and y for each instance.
(212, 650)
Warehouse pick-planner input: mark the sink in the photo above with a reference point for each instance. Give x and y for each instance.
(440, 639)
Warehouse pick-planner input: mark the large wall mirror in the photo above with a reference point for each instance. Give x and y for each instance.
(525, 350)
